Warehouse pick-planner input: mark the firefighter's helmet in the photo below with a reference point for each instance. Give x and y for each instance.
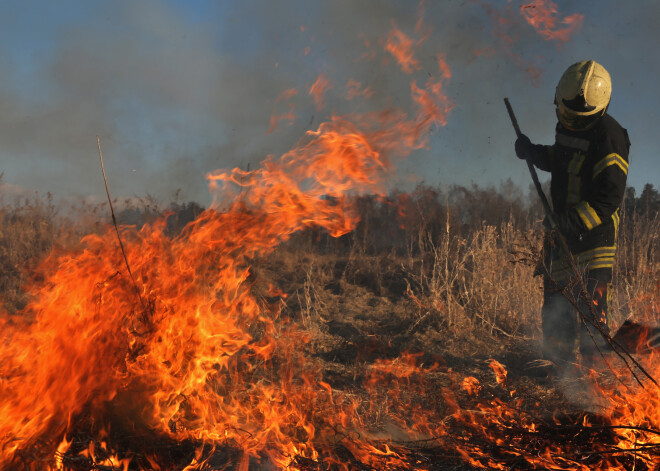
(582, 95)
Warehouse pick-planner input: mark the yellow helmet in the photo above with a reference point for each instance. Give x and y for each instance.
(582, 95)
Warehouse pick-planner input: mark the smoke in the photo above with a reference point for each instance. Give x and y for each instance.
(175, 91)
(166, 101)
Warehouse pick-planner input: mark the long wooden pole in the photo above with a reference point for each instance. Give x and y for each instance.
(532, 170)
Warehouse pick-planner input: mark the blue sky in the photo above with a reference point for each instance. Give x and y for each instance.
(176, 89)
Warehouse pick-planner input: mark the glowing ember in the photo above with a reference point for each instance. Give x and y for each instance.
(499, 370)
(471, 385)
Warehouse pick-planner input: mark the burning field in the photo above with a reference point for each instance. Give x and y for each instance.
(278, 330)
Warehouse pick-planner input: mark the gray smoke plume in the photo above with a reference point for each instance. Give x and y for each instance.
(175, 91)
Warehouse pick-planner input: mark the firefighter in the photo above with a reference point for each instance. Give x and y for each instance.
(588, 164)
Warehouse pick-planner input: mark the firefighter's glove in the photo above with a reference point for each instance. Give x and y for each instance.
(568, 223)
(524, 147)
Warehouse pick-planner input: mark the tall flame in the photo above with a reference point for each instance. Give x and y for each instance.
(201, 357)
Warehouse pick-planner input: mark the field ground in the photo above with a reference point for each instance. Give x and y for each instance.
(445, 293)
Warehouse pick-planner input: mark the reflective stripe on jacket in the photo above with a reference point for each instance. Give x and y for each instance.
(589, 171)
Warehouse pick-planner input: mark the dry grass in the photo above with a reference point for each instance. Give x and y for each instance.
(430, 255)
(439, 274)
(637, 268)
(27, 233)
(446, 276)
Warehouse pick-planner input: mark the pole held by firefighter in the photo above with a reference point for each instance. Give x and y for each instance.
(532, 171)
(546, 205)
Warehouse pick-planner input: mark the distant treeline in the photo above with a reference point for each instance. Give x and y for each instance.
(404, 223)
(647, 203)
(399, 220)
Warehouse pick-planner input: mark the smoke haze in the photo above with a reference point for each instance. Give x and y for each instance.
(179, 89)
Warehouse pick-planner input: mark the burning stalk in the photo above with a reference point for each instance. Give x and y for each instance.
(114, 222)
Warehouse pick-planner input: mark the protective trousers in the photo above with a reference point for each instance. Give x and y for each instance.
(568, 315)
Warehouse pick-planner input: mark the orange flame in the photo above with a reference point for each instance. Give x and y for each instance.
(202, 359)
(276, 119)
(205, 359)
(289, 117)
(319, 89)
(503, 22)
(355, 89)
(499, 370)
(401, 47)
(542, 15)
(471, 385)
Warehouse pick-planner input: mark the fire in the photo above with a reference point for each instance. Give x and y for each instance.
(471, 385)
(197, 356)
(288, 116)
(355, 89)
(319, 89)
(503, 22)
(541, 14)
(499, 370)
(276, 119)
(401, 47)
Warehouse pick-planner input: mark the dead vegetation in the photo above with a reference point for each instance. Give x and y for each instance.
(445, 274)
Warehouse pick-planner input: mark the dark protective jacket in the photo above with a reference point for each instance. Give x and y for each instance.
(589, 171)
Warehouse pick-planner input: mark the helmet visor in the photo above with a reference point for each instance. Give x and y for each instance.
(577, 121)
